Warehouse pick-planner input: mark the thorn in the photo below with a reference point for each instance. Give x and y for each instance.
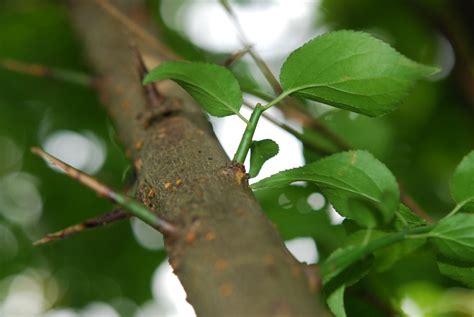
(98, 221)
(101, 189)
(154, 98)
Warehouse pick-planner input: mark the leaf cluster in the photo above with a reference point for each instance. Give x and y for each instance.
(357, 72)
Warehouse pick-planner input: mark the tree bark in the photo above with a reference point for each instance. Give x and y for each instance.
(229, 257)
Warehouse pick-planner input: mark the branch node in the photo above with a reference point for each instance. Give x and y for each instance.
(170, 107)
(238, 171)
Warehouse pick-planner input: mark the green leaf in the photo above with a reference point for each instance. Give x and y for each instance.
(386, 257)
(352, 71)
(340, 260)
(260, 152)
(462, 181)
(454, 237)
(336, 302)
(337, 286)
(214, 87)
(405, 218)
(463, 274)
(358, 186)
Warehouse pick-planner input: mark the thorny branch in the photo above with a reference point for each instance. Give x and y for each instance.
(102, 190)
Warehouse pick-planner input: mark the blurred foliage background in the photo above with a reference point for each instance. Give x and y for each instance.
(112, 271)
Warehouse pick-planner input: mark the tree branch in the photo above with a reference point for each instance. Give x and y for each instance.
(184, 174)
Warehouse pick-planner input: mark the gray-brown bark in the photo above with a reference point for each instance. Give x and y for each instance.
(229, 258)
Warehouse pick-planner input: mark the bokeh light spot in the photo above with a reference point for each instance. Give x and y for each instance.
(316, 201)
(304, 249)
(20, 200)
(85, 152)
(146, 236)
(8, 243)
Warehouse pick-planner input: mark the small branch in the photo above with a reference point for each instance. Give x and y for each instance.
(256, 57)
(458, 207)
(137, 30)
(137, 209)
(246, 140)
(99, 221)
(43, 71)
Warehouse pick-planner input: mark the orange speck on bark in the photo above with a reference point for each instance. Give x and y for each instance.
(125, 104)
(226, 290)
(138, 164)
(221, 265)
(138, 145)
(210, 236)
(190, 236)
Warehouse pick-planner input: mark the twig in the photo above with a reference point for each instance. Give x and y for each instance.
(246, 43)
(99, 221)
(39, 70)
(137, 30)
(136, 208)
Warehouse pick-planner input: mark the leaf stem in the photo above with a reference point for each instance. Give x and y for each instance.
(246, 140)
(278, 99)
(458, 207)
(241, 117)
